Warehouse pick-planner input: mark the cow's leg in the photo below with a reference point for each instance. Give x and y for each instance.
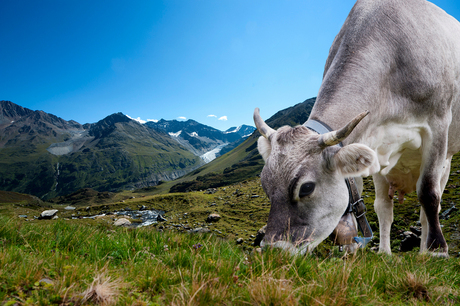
(423, 218)
(429, 189)
(384, 208)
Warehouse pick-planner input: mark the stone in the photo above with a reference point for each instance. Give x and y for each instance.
(69, 208)
(22, 216)
(48, 214)
(160, 218)
(213, 218)
(260, 235)
(199, 230)
(409, 242)
(45, 282)
(416, 230)
(446, 214)
(210, 191)
(239, 241)
(122, 222)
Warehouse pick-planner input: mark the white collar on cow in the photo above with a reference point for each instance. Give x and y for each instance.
(355, 202)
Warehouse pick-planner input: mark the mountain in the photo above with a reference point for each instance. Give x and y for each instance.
(201, 139)
(47, 156)
(244, 161)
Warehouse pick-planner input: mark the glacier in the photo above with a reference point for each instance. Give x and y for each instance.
(211, 155)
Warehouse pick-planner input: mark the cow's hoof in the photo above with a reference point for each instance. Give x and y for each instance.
(439, 254)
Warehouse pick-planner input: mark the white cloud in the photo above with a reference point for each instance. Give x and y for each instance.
(212, 116)
(138, 119)
(223, 118)
(182, 118)
(153, 120)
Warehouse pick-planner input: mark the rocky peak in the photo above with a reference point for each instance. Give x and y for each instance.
(11, 112)
(107, 125)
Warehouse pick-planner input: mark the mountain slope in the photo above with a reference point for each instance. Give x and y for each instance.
(244, 161)
(46, 156)
(200, 138)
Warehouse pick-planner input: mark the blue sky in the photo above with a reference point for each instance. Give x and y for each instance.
(203, 59)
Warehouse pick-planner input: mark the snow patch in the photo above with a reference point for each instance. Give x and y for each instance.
(234, 131)
(194, 134)
(138, 119)
(175, 134)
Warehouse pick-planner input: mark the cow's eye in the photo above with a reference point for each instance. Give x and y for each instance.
(306, 189)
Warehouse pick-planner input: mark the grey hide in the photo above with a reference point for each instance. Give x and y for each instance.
(400, 60)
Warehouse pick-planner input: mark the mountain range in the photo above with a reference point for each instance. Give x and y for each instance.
(243, 161)
(47, 156)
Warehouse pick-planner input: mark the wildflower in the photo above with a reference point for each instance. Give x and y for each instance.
(197, 246)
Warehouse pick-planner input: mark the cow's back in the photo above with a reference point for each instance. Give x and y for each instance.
(398, 59)
(401, 61)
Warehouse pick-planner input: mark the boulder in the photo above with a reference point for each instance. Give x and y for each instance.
(239, 241)
(122, 222)
(213, 218)
(260, 235)
(210, 191)
(48, 214)
(70, 208)
(160, 218)
(409, 242)
(199, 230)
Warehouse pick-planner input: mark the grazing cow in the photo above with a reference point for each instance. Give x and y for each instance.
(391, 96)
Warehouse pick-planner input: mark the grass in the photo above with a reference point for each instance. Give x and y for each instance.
(62, 263)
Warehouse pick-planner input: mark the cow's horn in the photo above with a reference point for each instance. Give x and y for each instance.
(335, 137)
(263, 128)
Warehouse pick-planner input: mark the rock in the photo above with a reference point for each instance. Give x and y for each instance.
(213, 218)
(160, 218)
(22, 216)
(260, 235)
(48, 214)
(254, 196)
(143, 207)
(210, 191)
(199, 230)
(446, 214)
(239, 241)
(122, 222)
(409, 242)
(416, 230)
(45, 282)
(70, 208)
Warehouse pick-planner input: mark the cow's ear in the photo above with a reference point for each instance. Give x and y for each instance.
(264, 147)
(356, 160)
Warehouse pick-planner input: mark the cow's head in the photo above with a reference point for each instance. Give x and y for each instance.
(304, 177)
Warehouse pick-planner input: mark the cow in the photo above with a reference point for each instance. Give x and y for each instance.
(390, 96)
